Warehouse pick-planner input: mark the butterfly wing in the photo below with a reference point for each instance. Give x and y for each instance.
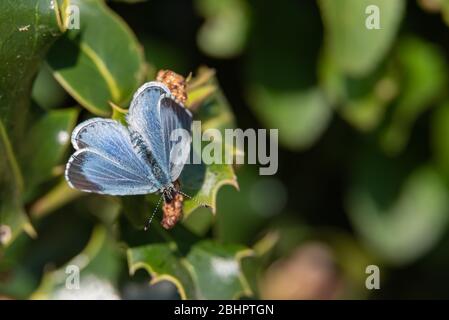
(143, 117)
(105, 161)
(154, 114)
(177, 143)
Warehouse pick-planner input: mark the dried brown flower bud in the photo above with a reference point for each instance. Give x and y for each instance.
(172, 210)
(175, 83)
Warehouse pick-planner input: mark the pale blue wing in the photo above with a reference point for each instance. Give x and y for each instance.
(91, 171)
(177, 143)
(105, 142)
(112, 139)
(153, 115)
(144, 120)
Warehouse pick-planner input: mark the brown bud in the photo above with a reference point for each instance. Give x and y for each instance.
(172, 210)
(175, 83)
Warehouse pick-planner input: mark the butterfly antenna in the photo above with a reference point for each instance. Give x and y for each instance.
(202, 204)
(147, 225)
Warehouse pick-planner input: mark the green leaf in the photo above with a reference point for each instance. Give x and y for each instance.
(45, 146)
(261, 200)
(440, 137)
(199, 180)
(357, 49)
(406, 227)
(99, 267)
(163, 263)
(423, 70)
(281, 86)
(203, 182)
(47, 92)
(27, 29)
(95, 67)
(57, 197)
(208, 271)
(218, 271)
(300, 116)
(361, 101)
(12, 216)
(225, 30)
(118, 113)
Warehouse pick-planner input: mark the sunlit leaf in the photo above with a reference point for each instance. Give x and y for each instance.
(406, 227)
(212, 109)
(208, 271)
(225, 29)
(361, 101)
(45, 145)
(95, 67)
(91, 275)
(58, 196)
(356, 48)
(423, 71)
(27, 29)
(301, 117)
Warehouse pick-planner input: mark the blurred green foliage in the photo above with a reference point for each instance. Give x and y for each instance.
(363, 118)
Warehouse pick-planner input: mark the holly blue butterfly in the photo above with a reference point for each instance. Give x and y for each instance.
(143, 157)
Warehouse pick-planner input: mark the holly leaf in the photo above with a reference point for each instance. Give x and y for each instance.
(300, 116)
(27, 29)
(396, 224)
(94, 67)
(281, 97)
(423, 68)
(92, 274)
(209, 270)
(163, 262)
(361, 101)
(200, 180)
(226, 27)
(12, 215)
(46, 143)
(356, 48)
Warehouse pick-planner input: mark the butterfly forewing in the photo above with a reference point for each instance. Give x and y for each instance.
(154, 114)
(143, 118)
(106, 161)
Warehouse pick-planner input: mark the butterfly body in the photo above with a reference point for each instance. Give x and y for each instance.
(140, 158)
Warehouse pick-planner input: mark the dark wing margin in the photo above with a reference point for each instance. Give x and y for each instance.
(90, 171)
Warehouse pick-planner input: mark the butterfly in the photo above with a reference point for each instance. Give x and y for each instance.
(140, 158)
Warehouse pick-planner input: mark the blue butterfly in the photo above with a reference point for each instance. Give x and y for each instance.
(141, 158)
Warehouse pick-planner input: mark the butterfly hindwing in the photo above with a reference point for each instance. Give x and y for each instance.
(177, 143)
(91, 171)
